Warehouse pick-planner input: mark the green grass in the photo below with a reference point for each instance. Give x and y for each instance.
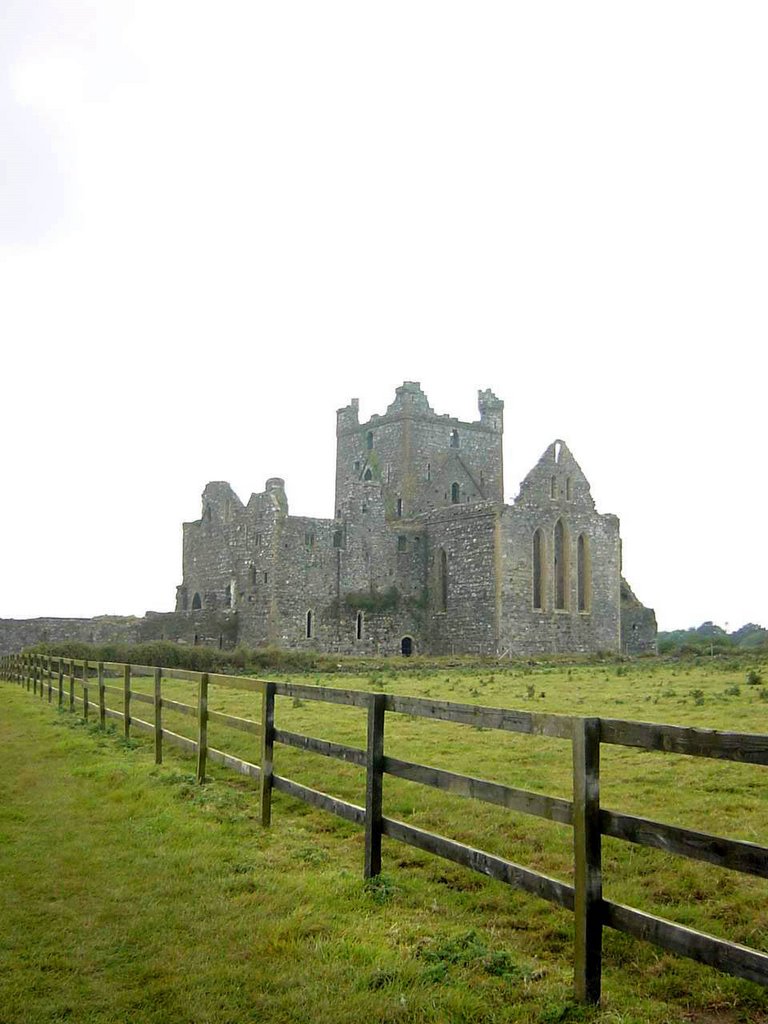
(131, 894)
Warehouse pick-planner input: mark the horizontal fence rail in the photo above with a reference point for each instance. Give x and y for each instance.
(74, 684)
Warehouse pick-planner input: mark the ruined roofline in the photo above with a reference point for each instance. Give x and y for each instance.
(411, 403)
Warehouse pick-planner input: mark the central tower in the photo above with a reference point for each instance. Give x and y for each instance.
(423, 461)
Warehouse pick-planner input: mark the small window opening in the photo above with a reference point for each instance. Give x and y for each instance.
(567, 488)
(254, 575)
(309, 625)
(309, 540)
(369, 440)
(266, 577)
(359, 626)
(454, 439)
(402, 543)
(399, 508)
(389, 474)
(455, 493)
(553, 487)
(257, 541)
(368, 475)
(338, 539)
(429, 471)
(196, 603)
(228, 596)
(558, 449)
(406, 646)
(357, 465)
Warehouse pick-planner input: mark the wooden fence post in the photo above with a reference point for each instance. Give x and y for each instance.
(34, 673)
(588, 896)
(158, 717)
(102, 698)
(71, 684)
(267, 751)
(374, 757)
(126, 702)
(202, 726)
(61, 683)
(85, 690)
(50, 678)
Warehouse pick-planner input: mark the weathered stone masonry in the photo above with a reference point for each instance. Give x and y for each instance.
(421, 554)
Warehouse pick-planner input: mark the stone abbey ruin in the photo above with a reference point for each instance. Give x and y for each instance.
(421, 556)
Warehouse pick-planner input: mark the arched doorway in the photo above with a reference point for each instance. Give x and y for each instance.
(406, 646)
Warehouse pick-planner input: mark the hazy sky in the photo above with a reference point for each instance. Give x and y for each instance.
(218, 223)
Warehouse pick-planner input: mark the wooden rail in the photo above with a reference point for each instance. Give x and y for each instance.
(46, 676)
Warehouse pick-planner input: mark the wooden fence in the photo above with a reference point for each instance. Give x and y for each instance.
(59, 679)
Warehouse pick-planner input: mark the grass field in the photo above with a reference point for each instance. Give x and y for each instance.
(131, 894)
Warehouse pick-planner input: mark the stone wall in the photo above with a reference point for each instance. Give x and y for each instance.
(17, 634)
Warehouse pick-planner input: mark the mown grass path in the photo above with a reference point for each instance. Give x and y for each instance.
(129, 895)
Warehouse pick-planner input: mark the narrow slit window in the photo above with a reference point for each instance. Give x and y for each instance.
(310, 625)
(454, 439)
(443, 580)
(455, 493)
(359, 626)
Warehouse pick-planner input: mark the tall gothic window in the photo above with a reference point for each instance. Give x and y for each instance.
(442, 588)
(561, 566)
(538, 569)
(584, 574)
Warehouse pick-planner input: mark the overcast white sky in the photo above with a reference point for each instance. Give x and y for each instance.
(218, 223)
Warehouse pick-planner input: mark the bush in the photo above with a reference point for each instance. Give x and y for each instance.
(754, 677)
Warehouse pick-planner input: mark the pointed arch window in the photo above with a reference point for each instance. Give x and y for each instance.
(454, 439)
(584, 570)
(561, 566)
(196, 603)
(538, 570)
(369, 440)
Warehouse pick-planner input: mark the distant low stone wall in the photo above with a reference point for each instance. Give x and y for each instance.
(17, 634)
(212, 629)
